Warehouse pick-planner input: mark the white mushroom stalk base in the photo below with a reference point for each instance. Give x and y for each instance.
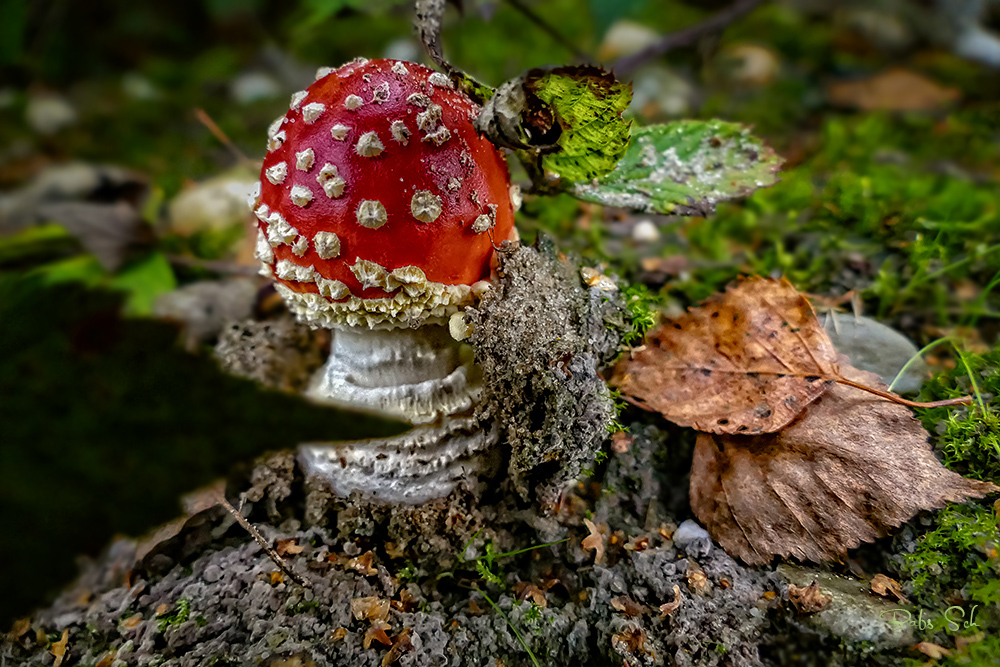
(422, 376)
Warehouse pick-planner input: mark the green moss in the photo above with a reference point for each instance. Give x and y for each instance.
(968, 437)
(960, 553)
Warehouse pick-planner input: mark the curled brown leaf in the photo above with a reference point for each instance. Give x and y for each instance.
(808, 599)
(746, 361)
(849, 469)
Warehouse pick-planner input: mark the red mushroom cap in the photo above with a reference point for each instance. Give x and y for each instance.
(379, 203)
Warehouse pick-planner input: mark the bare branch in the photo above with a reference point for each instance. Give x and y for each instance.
(684, 37)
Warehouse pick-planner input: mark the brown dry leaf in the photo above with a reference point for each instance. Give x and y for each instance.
(107, 660)
(371, 608)
(884, 586)
(932, 650)
(896, 89)
(132, 621)
(276, 577)
(697, 581)
(338, 634)
(808, 599)
(524, 590)
(19, 628)
(59, 648)
(630, 640)
(746, 361)
(594, 541)
(377, 633)
(400, 644)
(628, 606)
(852, 467)
(162, 609)
(289, 547)
(363, 564)
(668, 608)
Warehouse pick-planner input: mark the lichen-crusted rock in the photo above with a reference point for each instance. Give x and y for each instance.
(280, 354)
(540, 336)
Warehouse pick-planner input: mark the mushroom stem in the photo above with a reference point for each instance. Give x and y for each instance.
(419, 375)
(423, 376)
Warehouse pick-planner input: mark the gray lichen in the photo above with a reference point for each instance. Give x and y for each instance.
(540, 336)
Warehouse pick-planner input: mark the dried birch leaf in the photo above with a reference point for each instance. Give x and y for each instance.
(884, 586)
(808, 599)
(595, 541)
(849, 469)
(746, 361)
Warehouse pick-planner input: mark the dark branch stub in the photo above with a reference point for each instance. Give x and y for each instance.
(684, 37)
(429, 15)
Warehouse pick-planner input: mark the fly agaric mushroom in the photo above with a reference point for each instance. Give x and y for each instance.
(379, 205)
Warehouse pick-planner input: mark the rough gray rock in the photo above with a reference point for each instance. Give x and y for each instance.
(204, 308)
(872, 346)
(281, 354)
(854, 612)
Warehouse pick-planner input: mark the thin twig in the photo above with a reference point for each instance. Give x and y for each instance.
(207, 121)
(961, 400)
(271, 553)
(548, 29)
(685, 36)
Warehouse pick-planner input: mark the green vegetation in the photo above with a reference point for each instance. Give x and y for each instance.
(960, 553)
(177, 616)
(968, 437)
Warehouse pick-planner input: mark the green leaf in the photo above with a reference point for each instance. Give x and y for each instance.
(588, 104)
(685, 168)
(143, 281)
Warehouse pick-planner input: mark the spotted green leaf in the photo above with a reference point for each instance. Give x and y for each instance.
(685, 168)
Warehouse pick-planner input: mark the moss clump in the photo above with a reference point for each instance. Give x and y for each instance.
(960, 553)
(968, 437)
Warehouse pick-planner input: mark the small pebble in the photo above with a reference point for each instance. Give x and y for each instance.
(692, 539)
(645, 232)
